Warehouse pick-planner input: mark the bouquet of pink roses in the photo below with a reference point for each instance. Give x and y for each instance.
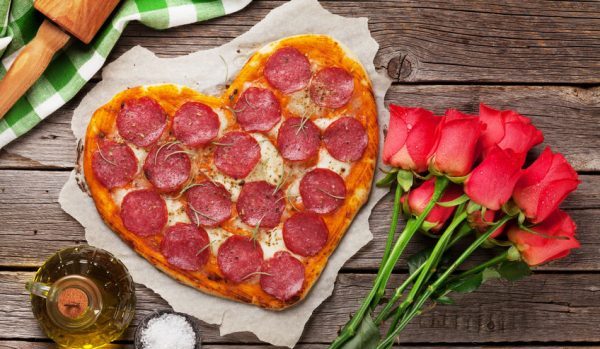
(461, 177)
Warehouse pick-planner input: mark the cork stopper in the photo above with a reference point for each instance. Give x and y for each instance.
(72, 302)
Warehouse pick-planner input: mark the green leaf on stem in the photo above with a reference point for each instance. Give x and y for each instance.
(459, 200)
(405, 179)
(513, 270)
(387, 180)
(367, 336)
(417, 259)
(445, 300)
(472, 207)
(467, 284)
(490, 274)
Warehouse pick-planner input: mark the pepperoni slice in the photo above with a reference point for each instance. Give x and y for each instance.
(288, 70)
(283, 276)
(141, 121)
(260, 204)
(323, 191)
(186, 246)
(346, 139)
(167, 167)
(305, 233)
(239, 257)
(195, 124)
(331, 87)
(298, 139)
(257, 109)
(208, 204)
(236, 155)
(144, 212)
(114, 164)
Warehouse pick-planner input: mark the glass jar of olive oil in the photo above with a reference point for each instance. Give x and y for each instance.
(83, 297)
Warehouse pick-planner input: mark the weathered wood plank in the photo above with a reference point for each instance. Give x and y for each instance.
(34, 226)
(423, 41)
(568, 116)
(5, 344)
(562, 308)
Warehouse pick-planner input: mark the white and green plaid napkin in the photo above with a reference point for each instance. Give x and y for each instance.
(74, 66)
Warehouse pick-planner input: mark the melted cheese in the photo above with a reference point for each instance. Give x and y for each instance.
(329, 162)
(270, 168)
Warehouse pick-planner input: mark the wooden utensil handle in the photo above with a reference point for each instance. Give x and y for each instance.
(30, 64)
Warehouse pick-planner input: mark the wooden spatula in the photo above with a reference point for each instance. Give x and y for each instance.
(80, 18)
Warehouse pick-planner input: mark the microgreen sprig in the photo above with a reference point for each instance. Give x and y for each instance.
(103, 157)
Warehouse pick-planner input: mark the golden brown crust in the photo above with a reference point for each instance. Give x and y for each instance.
(321, 49)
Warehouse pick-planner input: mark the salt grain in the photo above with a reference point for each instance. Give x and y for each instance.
(168, 331)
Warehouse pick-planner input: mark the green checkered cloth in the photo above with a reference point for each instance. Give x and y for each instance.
(74, 66)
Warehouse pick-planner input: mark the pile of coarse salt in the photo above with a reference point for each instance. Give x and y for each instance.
(168, 331)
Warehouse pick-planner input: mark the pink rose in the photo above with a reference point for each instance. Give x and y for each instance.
(456, 148)
(410, 137)
(544, 185)
(491, 183)
(508, 130)
(555, 239)
(419, 197)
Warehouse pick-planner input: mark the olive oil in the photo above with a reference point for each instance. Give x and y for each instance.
(83, 297)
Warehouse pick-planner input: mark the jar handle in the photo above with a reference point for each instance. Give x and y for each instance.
(37, 288)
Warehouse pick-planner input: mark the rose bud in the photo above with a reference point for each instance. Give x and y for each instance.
(410, 137)
(491, 183)
(419, 198)
(456, 147)
(554, 239)
(544, 185)
(508, 130)
(482, 225)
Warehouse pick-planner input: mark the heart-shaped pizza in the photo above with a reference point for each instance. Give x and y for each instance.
(244, 196)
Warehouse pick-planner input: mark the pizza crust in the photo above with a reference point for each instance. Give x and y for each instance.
(319, 48)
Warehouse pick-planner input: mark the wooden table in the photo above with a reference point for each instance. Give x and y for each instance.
(540, 58)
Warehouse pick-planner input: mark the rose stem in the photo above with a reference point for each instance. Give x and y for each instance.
(490, 263)
(386, 311)
(382, 278)
(429, 265)
(434, 286)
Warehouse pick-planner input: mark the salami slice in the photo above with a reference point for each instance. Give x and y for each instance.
(195, 124)
(298, 139)
(288, 70)
(144, 212)
(257, 110)
(331, 87)
(323, 191)
(346, 139)
(141, 121)
(167, 167)
(114, 164)
(186, 246)
(282, 276)
(236, 155)
(208, 204)
(239, 257)
(260, 204)
(305, 233)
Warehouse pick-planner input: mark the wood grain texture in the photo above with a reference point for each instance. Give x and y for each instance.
(30, 64)
(25, 344)
(34, 226)
(440, 54)
(81, 18)
(568, 116)
(430, 41)
(518, 313)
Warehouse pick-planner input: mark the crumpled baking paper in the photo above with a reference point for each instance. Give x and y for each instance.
(205, 72)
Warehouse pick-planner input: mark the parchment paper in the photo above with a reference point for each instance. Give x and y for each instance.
(205, 72)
